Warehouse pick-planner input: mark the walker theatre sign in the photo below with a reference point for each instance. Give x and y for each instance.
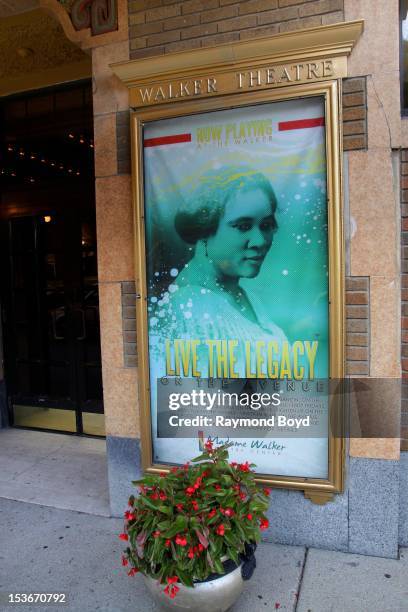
(239, 253)
(276, 76)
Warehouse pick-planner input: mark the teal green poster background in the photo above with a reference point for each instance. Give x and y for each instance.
(285, 143)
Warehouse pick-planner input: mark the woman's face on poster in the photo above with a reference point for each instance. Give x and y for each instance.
(244, 235)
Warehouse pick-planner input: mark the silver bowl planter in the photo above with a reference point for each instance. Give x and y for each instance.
(212, 596)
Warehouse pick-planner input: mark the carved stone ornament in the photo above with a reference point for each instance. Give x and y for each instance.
(99, 15)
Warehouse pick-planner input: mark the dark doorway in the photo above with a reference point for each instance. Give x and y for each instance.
(49, 283)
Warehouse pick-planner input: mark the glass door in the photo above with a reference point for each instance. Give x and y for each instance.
(51, 323)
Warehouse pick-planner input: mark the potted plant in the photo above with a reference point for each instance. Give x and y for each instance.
(192, 531)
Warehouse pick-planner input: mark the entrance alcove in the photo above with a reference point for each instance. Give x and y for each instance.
(49, 287)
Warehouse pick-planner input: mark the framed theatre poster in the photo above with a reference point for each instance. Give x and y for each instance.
(239, 259)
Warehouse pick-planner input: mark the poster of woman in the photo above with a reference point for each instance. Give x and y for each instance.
(237, 260)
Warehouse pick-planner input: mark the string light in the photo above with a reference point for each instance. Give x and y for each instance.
(33, 156)
(81, 139)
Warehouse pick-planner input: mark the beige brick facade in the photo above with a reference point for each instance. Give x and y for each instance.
(164, 26)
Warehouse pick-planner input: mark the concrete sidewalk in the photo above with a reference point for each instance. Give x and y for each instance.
(50, 550)
(58, 470)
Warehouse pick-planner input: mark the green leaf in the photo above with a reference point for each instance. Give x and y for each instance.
(210, 481)
(179, 525)
(219, 568)
(232, 553)
(164, 525)
(200, 458)
(185, 578)
(165, 509)
(148, 502)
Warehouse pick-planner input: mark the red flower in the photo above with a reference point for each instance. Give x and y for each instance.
(200, 548)
(242, 495)
(174, 470)
(171, 591)
(156, 533)
(212, 513)
(264, 524)
(190, 553)
(197, 483)
(229, 512)
(249, 517)
(233, 464)
(162, 495)
(129, 516)
(220, 530)
(194, 503)
(205, 474)
(244, 467)
(133, 571)
(267, 491)
(180, 540)
(179, 507)
(163, 474)
(167, 543)
(208, 446)
(154, 496)
(190, 490)
(124, 561)
(217, 487)
(124, 536)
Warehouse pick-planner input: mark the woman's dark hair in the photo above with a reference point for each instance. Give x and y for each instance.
(200, 220)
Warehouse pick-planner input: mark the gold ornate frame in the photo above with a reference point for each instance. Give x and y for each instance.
(318, 490)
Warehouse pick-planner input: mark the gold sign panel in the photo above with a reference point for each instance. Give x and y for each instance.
(292, 58)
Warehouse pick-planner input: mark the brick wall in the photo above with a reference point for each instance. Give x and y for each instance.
(164, 26)
(129, 324)
(354, 114)
(404, 298)
(357, 325)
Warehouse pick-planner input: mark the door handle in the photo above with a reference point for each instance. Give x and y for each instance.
(83, 321)
(54, 324)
